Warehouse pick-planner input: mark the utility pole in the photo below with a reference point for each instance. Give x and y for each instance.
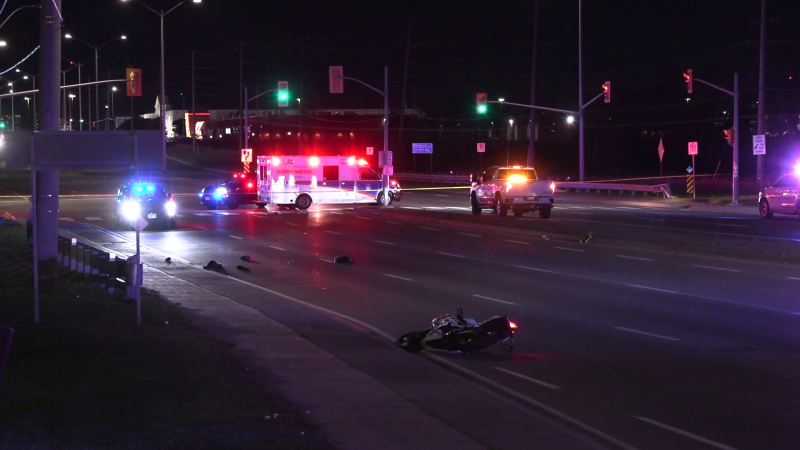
(582, 161)
(302, 98)
(242, 131)
(403, 97)
(761, 92)
(193, 122)
(45, 182)
(532, 129)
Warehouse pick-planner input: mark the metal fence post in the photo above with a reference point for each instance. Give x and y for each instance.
(102, 266)
(79, 256)
(73, 255)
(87, 262)
(95, 275)
(112, 273)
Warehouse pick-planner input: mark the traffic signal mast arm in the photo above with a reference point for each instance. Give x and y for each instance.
(259, 95)
(365, 84)
(713, 85)
(17, 94)
(548, 109)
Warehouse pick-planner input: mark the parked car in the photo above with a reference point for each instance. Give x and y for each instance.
(782, 197)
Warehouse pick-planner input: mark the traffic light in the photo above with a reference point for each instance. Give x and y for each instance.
(480, 100)
(283, 94)
(689, 80)
(2, 124)
(607, 91)
(335, 79)
(729, 136)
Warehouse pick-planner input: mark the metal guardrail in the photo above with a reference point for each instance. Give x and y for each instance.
(104, 269)
(563, 186)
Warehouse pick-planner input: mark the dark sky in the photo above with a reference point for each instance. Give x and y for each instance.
(457, 49)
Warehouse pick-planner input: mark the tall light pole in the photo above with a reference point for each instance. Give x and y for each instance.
(113, 91)
(163, 109)
(11, 85)
(33, 78)
(71, 103)
(28, 101)
(96, 75)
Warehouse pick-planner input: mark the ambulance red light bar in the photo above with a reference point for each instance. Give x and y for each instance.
(362, 162)
(351, 160)
(313, 161)
(276, 161)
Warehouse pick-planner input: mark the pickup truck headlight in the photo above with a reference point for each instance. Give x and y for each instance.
(171, 208)
(131, 210)
(553, 187)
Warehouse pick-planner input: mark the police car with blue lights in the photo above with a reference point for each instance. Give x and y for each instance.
(236, 191)
(147, 200)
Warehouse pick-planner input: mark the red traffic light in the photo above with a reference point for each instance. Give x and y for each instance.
(607, 91)
(689, 80)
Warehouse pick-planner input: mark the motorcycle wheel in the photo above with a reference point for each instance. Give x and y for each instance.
(411, 342)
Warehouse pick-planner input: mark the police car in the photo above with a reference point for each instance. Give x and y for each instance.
(239, 190)
(147, 200)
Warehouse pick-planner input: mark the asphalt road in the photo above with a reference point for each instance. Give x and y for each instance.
(656, 349)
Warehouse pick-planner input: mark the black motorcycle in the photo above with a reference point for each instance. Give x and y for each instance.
(456, 334)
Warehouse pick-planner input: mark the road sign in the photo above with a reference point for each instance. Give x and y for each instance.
(759, 144)
(422, 148)
(139, 223)
(247, 155)
(661, 149)
(384, 159)
(481, 147)
(388, 170)
(370, 150)
(689, 169)
(692, 148)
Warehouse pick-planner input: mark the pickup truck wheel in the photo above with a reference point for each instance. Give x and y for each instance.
(544, 213)
(763, 210)
(518, 213)
(476, 207)
(502, 210)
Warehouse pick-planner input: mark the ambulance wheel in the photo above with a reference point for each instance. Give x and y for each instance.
(379, 198)
(261, 205)
(303, 202)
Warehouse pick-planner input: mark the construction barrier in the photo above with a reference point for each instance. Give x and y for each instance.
(96, 266)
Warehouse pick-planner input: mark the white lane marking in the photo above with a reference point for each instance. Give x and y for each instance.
(227, 214)
(450, 254)
(717, 268)
(626, 207)
(470, 235)
(292, 224)
(94, 218)
(731, 225)
(494, 299)
(362, 217)
(276, 248)
(203, 214)
(685, 433)
(532, 380)
(440, 195)
(654, 289)
(411, 207)
(429, 228)
(68, 219)
(323, 259)
(514, 242)
(601, 207)
(235, 237)
(384, 242)
(393, 223)
(179, 215)
(631, 330)
(399, 278)
(337, 212)
(535, 269)
(570, 249)
(332, 232)
(791, 278)
(634, 257)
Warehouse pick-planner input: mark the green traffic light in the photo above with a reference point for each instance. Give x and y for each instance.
(482, 109)
(283, 96)
(2, 125)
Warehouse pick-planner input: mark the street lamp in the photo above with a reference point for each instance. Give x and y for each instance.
(570, 119)
(11, 85)
(71, 104)
(96, 75)
(114, 91)
(163, 88)
(508, 139)
(28, 101)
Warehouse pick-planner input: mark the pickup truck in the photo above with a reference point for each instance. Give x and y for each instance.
(514, 188)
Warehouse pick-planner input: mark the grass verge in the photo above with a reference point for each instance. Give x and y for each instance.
(87, 376)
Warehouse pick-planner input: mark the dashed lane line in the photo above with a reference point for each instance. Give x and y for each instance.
(450, 254)
(532, 380)
(399, 278)
(685, 433)
(631, 330)
(470, 235)
(94, 218)
(235, 237)
(384, 242)
(570, 249)
(634, 257)
(332, 232)
(514, 242)
(277, 248)
(716, 268)
(393, 223)
(364, 218)
(429, 228)
(494, 299)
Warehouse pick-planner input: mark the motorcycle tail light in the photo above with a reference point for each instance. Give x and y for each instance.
(513, 326)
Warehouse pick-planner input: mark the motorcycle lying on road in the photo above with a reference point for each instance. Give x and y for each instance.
(456, 334)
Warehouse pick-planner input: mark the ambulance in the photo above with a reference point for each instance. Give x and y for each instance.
(299, 181)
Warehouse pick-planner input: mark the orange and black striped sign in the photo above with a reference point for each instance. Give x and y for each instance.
(690, 183)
